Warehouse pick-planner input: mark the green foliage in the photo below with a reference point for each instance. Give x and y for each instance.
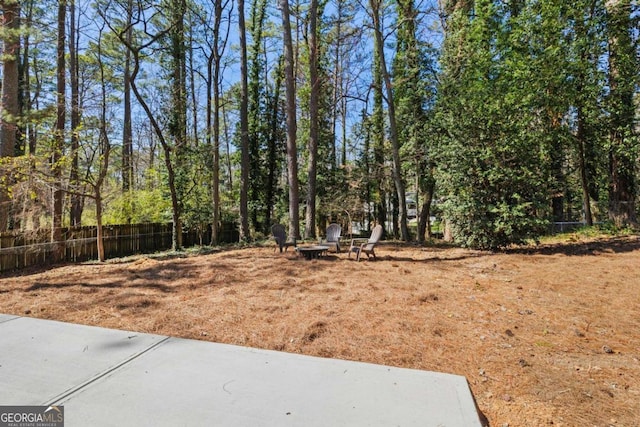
(492, 160)
(142, 206)
(530, 94)
(196, 202)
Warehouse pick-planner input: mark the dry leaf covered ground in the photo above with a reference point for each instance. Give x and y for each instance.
(546, 335)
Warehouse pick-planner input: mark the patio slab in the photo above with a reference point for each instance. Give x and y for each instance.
(43, 360)
(107, 377)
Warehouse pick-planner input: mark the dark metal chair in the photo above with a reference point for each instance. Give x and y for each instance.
(280, 236)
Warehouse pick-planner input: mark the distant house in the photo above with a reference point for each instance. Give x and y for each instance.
(412, 206)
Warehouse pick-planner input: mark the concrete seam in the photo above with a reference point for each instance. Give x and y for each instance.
(59, 399)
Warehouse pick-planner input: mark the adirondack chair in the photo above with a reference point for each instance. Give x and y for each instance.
(280, 236)
(367, 246)
(333, 237)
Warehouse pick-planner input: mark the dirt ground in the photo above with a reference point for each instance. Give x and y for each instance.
(545, 335)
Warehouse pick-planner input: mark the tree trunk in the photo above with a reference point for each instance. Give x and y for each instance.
(424, 220)
(212, 143)
(213, 123)
(292, 151)
(178, 120)
(215, 227)
(584, 179)
(257, 121)
(227, 138)
(75, 215)
(314, 96)
(192, 85)
(10, 105)
(10, 52)
(105, 151)
(127, 131)
(25, 82)
(393, 130)
(244, 127)
(99, 228)
(622, 78)
(273, 146)
(337, 83)
(56, 224)
(377, 135)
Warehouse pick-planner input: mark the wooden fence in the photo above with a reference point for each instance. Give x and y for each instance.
(21, 250)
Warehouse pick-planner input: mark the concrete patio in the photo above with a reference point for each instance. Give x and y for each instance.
(106, 377)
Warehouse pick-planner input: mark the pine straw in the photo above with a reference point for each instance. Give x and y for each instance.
(547, 335)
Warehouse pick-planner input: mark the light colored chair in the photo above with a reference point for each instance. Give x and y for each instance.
(333, 237)
(280, 236)
(360, 246)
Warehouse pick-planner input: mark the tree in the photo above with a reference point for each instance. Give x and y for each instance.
(344, 36)
(275, 142)
(127, 128)
(178, 114)
(292, 151)
(623, 78)
(58, 194)
(528, 116)
(9, 111)
(314, 99)
(244, 127)
(77, 201)
(378, 138)
(145, 41)
(586, 47)
(10, 78)
(414, 93)
(104, 150)
(492, 165)
(30, 91)
(258, 119)
(214, 62)
(375, 6)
